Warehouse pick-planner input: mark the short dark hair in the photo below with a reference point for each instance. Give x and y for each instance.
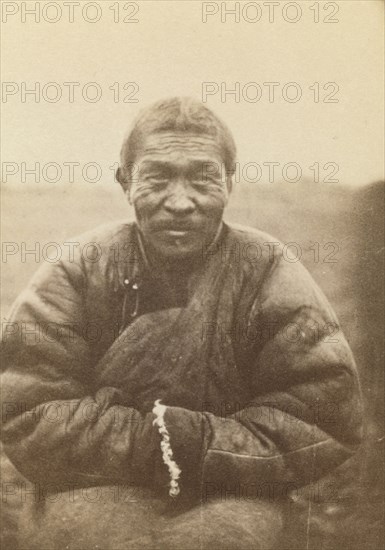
(182, 114)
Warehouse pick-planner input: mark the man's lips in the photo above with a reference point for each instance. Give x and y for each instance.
(176, 233)
(176, 227)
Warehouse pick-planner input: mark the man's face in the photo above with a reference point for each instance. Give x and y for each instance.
(177, 193)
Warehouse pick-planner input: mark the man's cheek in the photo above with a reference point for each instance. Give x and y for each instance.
(144, 199)
(215, 200)
(140, 188)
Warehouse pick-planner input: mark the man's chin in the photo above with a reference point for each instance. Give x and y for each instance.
(176, 244)
(177, 251)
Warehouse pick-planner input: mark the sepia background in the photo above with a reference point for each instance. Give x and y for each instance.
(185, 47)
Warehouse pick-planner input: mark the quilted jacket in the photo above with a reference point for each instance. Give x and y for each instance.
(258, 381)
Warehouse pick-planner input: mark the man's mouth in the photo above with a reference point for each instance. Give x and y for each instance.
(178, 233)
(177, 229)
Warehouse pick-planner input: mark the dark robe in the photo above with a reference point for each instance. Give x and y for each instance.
(247, 355)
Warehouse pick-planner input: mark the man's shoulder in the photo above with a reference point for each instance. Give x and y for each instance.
(259, 253)
(249, 236)
(262, 256)
(251, 252)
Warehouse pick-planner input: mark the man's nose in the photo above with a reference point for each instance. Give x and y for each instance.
(178, 200)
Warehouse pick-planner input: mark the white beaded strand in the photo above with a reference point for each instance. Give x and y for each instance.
(165, 446)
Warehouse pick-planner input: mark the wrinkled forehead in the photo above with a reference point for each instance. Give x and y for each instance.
(174, 146)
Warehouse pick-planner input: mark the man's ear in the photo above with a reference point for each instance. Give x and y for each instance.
(229, 184)
(126, 185)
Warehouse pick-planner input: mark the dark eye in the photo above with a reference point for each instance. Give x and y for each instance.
(157, 179)
(210, 180)
(199, 180)
(200, 183)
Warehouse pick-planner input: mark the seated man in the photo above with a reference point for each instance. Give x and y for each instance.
(180, 357)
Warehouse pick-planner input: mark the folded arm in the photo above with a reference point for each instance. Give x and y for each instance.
(54, 428)
(306, 421)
